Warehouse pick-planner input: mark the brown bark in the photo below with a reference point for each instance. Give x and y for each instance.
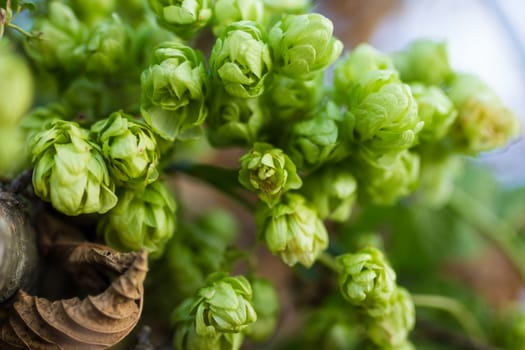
(18, 249)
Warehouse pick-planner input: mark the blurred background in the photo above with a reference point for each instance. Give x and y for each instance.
(484, 37)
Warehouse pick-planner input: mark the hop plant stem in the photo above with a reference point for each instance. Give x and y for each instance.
(490, 226)
(455, 308)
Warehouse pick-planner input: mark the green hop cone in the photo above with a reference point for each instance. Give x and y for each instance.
(183, 17)
(313, 141)
(278, 7)
(129, 148)
(266, 305)
(226, 12)
(60, 47)
(332, 191)
(385, 116)
(424, 61)
(223, 305)
(141, 219)
(13, 153)
(385, 180)
(233, 120)
(69, 170)
(240, 60)
(269, 172)
(292, 99)
(483, 122)
(303, 44)
(391, 329)
(174, 89)
(292, 229)
(366, 278)
(435, 109)
(92, 11)
(107, 47)
(186, 336)
(16, 89)
(356, 65)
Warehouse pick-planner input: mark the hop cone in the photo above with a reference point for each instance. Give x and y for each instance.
(332, 191)
(130, 149)
(174, 88)
(186, 336)
(16, 89)
(391, 329)
(385, 180)
(313, 141)
(366, 278)
(233, 120)
(303, 44)
(292, 229)
(424, 61)
(435, 109)
(69, 170)
(269, 172)
(107, 46)
(142, 219)
(226, 12)
(483, 122)
(240, 60)
(61, 44)
(184, 18)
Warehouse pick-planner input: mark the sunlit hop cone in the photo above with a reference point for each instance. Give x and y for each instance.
(226, 12)
(366, 278)
(240, 60)
(130, 149)
(391, 329)
(174, 88)
(483, 122)
(184, 18)
(141, 219)
(303, 44)
(60, 46)
(69, 170)
(292, 229)
(269, 172)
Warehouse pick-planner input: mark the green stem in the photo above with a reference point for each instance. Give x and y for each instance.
(329, 261)
(492, 227)
(455, 308)
(21, 30)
